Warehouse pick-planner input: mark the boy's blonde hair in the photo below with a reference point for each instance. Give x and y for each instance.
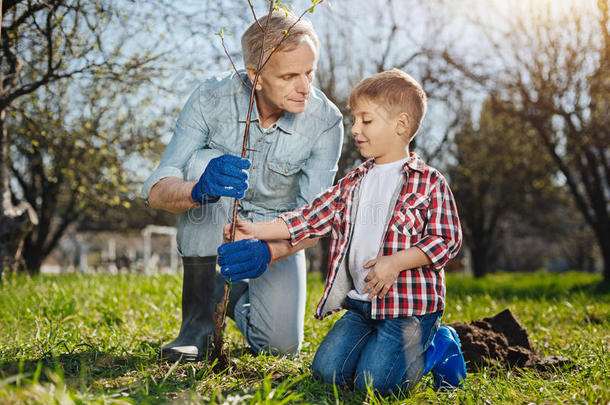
(396, 92)
(280, 23)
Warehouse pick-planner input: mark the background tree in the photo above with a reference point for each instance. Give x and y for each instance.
(73, 165)
(550, 62)
(46, 43)
(498, 171)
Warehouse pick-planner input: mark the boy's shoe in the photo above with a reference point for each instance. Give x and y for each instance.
(445, 359)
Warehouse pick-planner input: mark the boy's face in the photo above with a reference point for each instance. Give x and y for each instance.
(379, 133)
(285, 82)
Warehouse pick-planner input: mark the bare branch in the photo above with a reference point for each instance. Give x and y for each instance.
(222, 40)
(254, 15)
(276, 47)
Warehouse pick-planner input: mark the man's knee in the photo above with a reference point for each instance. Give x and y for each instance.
(285, 343)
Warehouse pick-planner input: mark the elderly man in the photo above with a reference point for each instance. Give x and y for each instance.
(294, 144)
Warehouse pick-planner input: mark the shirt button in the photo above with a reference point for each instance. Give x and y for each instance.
(260, 139)
(286, 171)
(253, 167)
(249, 190)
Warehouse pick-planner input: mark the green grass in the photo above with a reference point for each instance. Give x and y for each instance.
(93, 339)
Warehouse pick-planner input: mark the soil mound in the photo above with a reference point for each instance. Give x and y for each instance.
(501, 340)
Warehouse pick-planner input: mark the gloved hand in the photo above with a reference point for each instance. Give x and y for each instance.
(247, 258)
(225, 175)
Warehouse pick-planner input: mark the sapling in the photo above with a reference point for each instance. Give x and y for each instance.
(274, 6)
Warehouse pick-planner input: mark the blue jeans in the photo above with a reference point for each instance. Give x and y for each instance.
(388, 354)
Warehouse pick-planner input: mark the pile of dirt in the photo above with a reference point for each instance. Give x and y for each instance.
(501, 340)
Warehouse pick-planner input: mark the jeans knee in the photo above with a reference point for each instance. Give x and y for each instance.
(379, 381)
(327, 370)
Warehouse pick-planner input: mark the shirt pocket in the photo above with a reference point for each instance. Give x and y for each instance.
(410, 219)
(283, 177)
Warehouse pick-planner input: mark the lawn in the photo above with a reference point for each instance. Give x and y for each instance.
(94, 339)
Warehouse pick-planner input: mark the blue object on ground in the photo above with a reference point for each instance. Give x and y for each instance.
(445, 359)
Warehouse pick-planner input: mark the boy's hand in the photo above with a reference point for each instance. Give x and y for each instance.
(243, 230)
(381, 277)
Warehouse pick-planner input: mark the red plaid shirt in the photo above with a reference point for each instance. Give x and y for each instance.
(425, 215)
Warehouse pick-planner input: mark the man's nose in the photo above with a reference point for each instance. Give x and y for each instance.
(303, 85)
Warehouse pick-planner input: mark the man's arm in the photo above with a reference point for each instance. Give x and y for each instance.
(282, 249)
(172, 194)
(225, 175)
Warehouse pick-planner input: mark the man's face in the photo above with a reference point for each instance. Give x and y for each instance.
(285, 82)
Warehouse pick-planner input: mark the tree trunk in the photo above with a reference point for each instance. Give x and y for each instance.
(480, 263)
(15, 221)
(603, 238)
(33, 262)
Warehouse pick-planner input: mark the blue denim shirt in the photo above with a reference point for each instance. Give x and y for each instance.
(292, 161)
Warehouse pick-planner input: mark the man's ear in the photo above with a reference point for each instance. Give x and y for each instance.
(251, 73)
(403, 125)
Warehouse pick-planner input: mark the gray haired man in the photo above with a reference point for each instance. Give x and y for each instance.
(294, 144)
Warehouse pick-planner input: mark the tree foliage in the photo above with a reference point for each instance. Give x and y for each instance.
(498, 171)
(70, 81)
(550, 63)
(70, 165)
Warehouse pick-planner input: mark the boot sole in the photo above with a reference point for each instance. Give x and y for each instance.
(173, 356)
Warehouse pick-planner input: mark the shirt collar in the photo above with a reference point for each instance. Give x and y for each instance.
(414, 162)
(285, 122)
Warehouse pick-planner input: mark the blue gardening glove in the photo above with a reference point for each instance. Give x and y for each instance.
(247, 258)
(445, 359)
(225, 175)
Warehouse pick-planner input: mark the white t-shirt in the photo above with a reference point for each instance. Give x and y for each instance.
(376, 191)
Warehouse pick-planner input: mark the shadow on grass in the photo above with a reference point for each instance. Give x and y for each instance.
(89, 364)
(140, 377)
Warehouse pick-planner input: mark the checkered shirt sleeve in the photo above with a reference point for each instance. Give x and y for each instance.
(443, 232)
(315, 219)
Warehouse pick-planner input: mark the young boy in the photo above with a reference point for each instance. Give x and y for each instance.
(394, 225)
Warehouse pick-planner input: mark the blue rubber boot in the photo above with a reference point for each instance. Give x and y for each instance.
(445, 359)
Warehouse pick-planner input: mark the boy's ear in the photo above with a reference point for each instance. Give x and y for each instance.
(403, 125)
(251, 73)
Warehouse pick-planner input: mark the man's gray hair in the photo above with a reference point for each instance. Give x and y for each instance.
(281, 21)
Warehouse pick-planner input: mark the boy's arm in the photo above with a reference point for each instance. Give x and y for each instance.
(274, 232)
(442, 236)
(250, 257)
(385, 269)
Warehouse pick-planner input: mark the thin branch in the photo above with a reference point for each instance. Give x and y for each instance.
(276, 47)
(221, 307)
(222, 40)
(254, 15)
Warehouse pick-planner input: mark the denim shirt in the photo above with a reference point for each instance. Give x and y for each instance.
(292, 161)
